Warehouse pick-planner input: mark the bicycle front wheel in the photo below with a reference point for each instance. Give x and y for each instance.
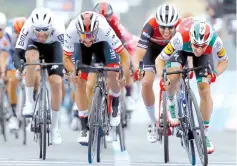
(93, 125)
(197, 128)
(165, 128)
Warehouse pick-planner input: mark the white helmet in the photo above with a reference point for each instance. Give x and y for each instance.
(87, 22)
(167, 15)
(3, 20)
(42, 18)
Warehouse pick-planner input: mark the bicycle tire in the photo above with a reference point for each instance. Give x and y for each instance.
(121, 137)
(93, 130)
(24, 121)
(202, 153)
(2, 115)
(40, 142)
(24, 124)
(102, 105)
(188, 144)
(165, 129)
(44, 123)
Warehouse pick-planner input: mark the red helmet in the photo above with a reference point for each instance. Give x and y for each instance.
(104, 8)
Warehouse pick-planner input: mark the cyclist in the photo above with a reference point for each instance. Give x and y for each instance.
(3, 24)
(156, 33)
(106, 10)
(42, 38)
(8, 46)
(197, 38)
(92, 31)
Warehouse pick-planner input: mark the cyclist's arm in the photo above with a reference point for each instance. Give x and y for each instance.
(3, 61)
(68, 48)
(219, 50)
(115, 43)
(6, 46)
(175, 44)
(21, 44)
(143, 42)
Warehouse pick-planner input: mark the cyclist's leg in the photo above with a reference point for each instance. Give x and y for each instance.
(37, 82)
(112, 60)
(75, 122)
(175, 62)
(32, 56)
(206, 103)
(81, 96)
(130, 103)
(147, 89)
(11, 90)
(53, 54)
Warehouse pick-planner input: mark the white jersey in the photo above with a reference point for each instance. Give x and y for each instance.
(56, 35)
(8, 42)
(105, 33)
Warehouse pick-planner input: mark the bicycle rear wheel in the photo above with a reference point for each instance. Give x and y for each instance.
(165, 128)
(93, 125)
(197, 128)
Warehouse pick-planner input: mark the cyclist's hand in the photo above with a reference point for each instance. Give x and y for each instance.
(75, 78)
(164, 86)
(212, 77)
(121, 81)
(138, 75)
(191, 75)
(20, 75)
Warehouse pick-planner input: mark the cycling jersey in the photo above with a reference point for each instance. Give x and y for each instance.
(181, 41)
(8, 42)
(105, 33)
(27, 37)
(151, 33)
(56, 34)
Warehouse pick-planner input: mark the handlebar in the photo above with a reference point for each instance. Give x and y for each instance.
(99, 68)
(23, 64)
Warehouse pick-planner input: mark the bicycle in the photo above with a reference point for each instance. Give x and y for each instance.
(188, 107)
(41, 119)
(99, 124)
(163, 128)
(2, 110)
(23, 121)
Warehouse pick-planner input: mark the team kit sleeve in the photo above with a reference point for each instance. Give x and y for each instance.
(111, 37)
(69, 37)
(219, 50)
(175, 44)
(146, 34)
(60, 31)
(21, 44)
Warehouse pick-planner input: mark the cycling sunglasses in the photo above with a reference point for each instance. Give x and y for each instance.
(41, 29)
(169, 27)
(88, 35)
(199, 46)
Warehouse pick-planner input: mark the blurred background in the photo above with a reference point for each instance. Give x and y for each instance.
(134, 13)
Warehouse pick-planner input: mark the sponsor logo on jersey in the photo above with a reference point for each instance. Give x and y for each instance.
(107, 34)
(222, 52)
(68, 35)
(169, 49)
(61, 38)
(24, 33)
(146, 34)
